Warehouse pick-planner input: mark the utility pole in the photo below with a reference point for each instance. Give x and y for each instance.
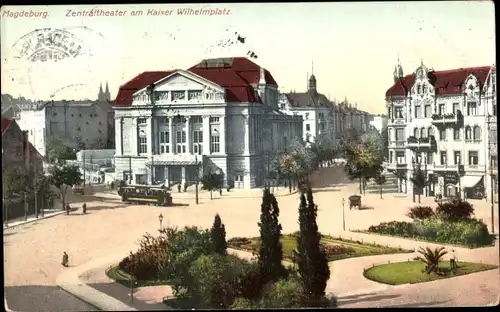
(197, 178)
(35, 191)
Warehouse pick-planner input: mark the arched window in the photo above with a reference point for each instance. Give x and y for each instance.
(468, 133)
(430, 131)
(416, 133)
(419, 89)
(423, 133)
(424, 88)
(477, 133)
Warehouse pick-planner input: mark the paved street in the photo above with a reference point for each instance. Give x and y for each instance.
(33, 251)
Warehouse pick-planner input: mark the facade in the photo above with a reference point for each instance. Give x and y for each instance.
(446, 121)
(219, 116)
(17, 151)
(379, 122)
(349, 118)
(74, 123)
(316, 110)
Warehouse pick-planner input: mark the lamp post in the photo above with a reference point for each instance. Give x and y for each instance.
(218, 172)
(160, 218)
(343, 213)
(413, 165)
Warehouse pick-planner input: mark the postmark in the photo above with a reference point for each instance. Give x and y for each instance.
(44, 55)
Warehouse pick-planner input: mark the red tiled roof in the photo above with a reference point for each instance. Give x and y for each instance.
(236, 75)
(444, 81)
(5, 124)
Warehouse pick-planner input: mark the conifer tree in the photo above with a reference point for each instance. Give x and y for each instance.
(270, 252)
(311, 259)
(218, 235)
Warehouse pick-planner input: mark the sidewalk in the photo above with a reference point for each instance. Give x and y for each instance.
(69, 281)
(47, 213)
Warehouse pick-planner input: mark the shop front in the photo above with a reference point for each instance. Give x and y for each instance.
(473, 187)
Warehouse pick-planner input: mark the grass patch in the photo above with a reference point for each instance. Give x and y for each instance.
(411, 272)
(124, 278)
(349, 248)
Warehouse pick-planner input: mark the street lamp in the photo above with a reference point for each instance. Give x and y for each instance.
(160, 218)
(343, 213)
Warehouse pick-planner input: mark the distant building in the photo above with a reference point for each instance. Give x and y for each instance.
(219, 116)
(316, 110)
(349, 118)
(379, 122)
(445, 120)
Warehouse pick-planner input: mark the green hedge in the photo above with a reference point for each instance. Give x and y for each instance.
(469, 232)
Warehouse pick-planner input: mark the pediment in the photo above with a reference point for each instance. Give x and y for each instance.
(184, 80)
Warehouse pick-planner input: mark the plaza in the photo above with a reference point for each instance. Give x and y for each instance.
(111, 229)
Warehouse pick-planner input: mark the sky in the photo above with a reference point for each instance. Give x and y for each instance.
(351, 47)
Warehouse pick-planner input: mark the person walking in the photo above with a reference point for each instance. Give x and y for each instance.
(84, 208)
(65, 259)
(68, 208)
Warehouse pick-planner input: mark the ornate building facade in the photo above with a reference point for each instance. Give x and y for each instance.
(219, 116)
(444, 122)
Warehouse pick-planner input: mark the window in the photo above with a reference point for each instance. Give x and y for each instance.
(493, 162)
(391, 156)
(443, 159)
(457, 158)
(471, 108)
(398, 112)
(441, 110)
(430, 132)
(282, 106)
(416, 133)
(418, 111)
(307, 116)
(321, 115)
(198, 142)
(308, 127)
(164, 142)
(215, 143)
(468, 133)
(430, 156)
(143, 144)
(442, 134)
(473, 158)
(424, 88)
(178, 95)
(400, 157)
(418, 157)
(427, 111)
(214, 119)
(456, 134)
(477, 133)
(389, 112)
(194, 95)
(180, 140)
(455, 108)
(419, 89)
(141, 121)
(423, 133)
(400, 134)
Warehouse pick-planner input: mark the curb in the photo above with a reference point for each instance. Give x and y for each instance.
(70, 282)
(33, 220)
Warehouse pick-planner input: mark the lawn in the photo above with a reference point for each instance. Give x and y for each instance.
(411, 272)
(123, 278)
(349, 249)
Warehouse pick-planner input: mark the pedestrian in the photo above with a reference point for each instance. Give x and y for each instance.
(84, 208)
(220, 191)
(68, 208)
(179, 187)
(65, 259)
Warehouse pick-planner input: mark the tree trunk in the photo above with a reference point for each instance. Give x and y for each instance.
(419, 196)
(211, 195)
(289, 184)
(380, 191)
(360, 187)
(364, 186)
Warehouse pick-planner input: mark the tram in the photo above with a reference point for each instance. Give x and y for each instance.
(143, 194)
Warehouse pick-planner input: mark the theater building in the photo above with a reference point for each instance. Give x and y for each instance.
(219, 116)
(445, 121)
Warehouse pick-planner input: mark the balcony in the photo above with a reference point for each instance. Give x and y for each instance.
(439, 167)
(395, 166)
(442, 119)
(414, 142)
(396, 144)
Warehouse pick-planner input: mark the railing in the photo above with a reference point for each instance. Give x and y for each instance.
(447, 118)
(420, 142)
(445, 167)
(397, 143)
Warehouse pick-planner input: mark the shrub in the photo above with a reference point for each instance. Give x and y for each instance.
(145, 264)
(218, 235)
(245, 304)
(215, 280)
(431, 258)
(455, 210)
(420, 213)
(285, 293)
(238, 241)
(396, 228)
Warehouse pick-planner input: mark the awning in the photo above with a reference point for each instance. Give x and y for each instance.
(172, 163)
(470, 181)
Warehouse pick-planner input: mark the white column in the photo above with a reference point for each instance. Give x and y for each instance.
(166, 177)
(222, 131)
(118, 136)
(135, 138)
(183, 176)
(171, 135)
(188, 136)
(247, 135)
(149, 135)
(206, 134)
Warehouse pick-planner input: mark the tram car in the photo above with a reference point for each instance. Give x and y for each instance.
(142, 194)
